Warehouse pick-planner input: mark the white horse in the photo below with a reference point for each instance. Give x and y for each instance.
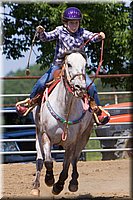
(64, 120)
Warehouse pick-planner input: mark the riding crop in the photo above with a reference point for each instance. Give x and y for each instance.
(27, 71)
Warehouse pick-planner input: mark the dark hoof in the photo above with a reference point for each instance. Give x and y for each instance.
(73, 188)
(57, 188)
(49, 180)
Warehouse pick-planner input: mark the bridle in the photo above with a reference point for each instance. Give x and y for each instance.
(68, 78)
(79, 74)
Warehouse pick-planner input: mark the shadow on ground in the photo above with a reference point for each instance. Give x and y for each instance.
(80, 197)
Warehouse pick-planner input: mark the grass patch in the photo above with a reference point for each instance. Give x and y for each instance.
(93, 144)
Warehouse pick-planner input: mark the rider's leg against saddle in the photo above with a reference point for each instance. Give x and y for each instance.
(24, 107)
(100, 115)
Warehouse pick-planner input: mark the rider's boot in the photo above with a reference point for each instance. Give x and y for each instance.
(27, 105)
(101, 116)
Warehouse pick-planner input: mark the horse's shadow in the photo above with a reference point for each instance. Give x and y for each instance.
(80, 197)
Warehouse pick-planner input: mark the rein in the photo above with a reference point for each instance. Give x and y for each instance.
(68, 84)
(66, 122)
(79, 74)
(66, 79)
(101, 58)
(99, 65)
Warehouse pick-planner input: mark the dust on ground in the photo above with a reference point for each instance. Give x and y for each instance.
(97, 180)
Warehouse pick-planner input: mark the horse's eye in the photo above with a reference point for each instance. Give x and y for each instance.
(69, 65)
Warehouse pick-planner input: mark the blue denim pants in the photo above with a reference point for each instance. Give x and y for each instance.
(48, 76)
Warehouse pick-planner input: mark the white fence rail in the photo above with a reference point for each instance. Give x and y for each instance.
(62, 151)
(115, 94)
(91, 138)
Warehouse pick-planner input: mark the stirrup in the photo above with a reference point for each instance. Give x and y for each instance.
(106, 118)
(24, 104)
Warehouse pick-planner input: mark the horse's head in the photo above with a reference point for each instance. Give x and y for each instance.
(75, 62)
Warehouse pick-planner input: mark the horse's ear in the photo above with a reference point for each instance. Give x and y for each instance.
(66, 53)
(83, 53)
(79, 50)
(62, 56)
(57, 74)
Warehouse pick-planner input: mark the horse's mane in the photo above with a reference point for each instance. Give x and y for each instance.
(75, 50)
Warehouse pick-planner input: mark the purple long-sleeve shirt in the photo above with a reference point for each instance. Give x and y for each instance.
(66, 41)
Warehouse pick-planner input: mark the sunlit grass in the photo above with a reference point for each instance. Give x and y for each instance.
(93, 144)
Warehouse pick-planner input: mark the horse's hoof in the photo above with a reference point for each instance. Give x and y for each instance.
(73, 188)
(49, 179)
(57, 189)
(50, 182)
(35, 192)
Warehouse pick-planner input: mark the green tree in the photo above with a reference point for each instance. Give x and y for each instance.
(114, 19)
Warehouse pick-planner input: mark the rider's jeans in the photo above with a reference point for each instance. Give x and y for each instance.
(48, 76)
(40, 84)
(92, 90)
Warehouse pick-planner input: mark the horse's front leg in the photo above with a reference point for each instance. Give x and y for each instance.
(39, 163)
(73, 184)
(59, 185)
(49, 177)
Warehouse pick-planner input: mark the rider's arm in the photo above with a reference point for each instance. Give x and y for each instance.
(88, 35)
(46, 36)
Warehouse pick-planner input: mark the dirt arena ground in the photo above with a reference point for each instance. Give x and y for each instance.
(97, 180)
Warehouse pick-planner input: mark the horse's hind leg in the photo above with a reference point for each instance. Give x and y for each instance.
(39, 164)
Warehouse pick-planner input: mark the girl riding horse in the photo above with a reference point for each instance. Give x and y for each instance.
(68, 37)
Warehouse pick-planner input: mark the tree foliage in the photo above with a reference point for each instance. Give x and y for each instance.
(21, 19)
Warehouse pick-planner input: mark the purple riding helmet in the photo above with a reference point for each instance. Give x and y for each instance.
(72, 13)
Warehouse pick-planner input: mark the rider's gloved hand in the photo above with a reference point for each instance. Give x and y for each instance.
(40, 29)
(101, 35)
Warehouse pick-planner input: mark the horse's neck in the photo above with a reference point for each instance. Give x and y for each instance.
(63, 101)
(60, 96)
